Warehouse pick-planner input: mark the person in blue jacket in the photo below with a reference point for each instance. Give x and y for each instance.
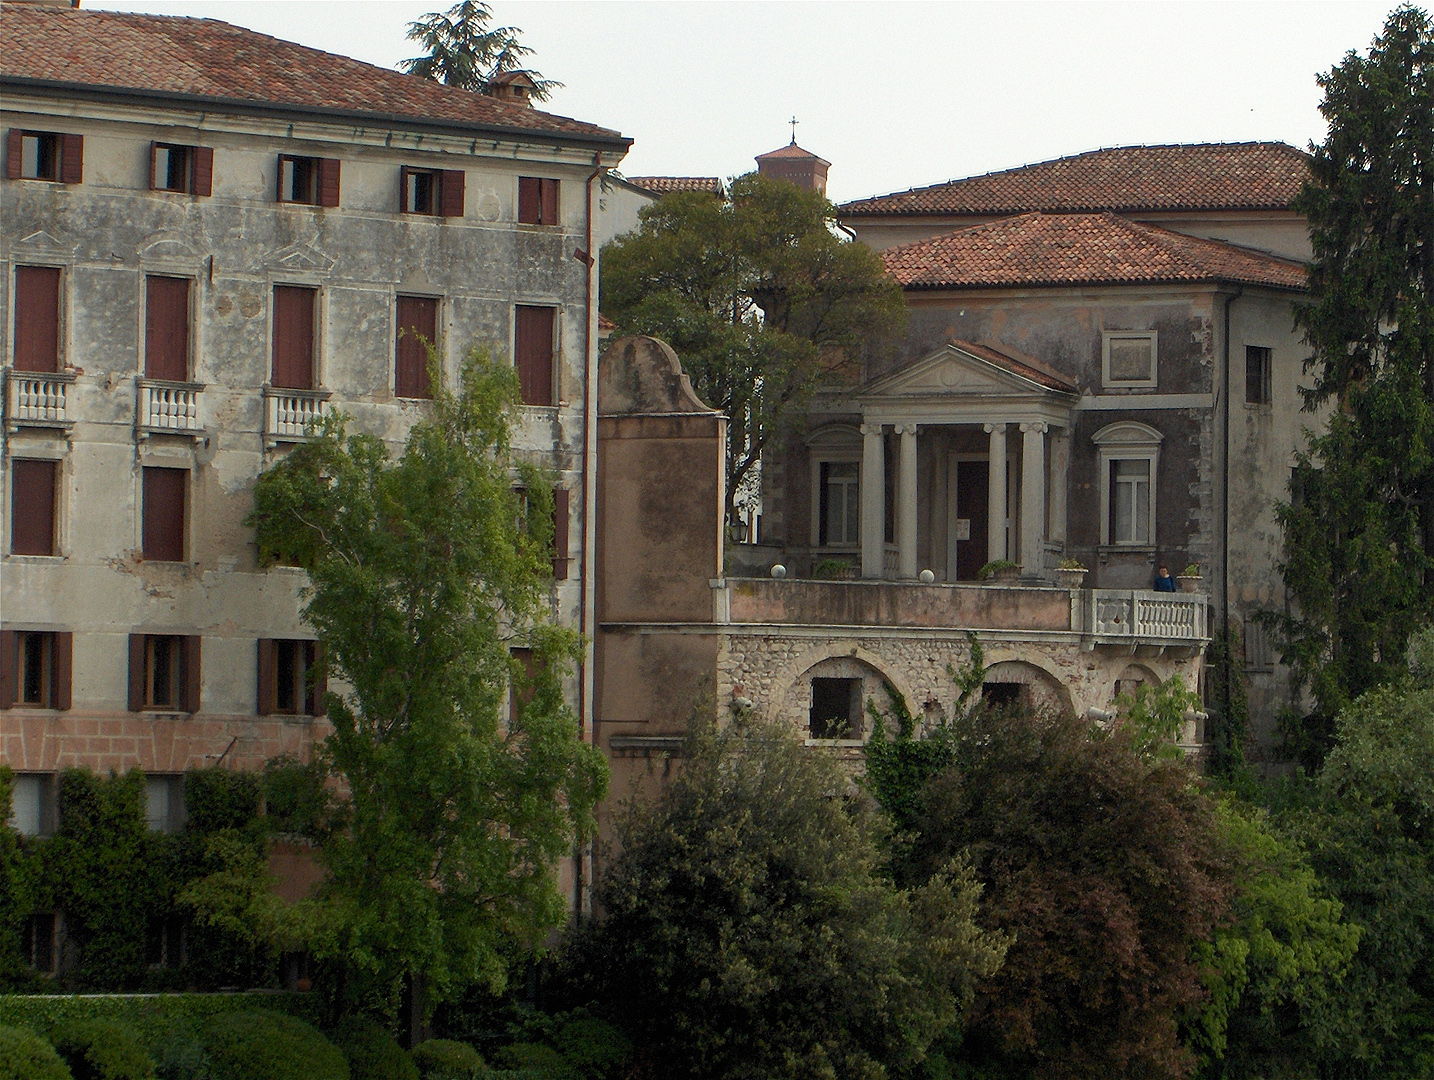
(1163, 581)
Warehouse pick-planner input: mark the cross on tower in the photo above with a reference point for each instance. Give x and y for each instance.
(793, 121)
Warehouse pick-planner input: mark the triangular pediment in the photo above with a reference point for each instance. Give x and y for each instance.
(303, 257)
(43, 241)
(954, 372)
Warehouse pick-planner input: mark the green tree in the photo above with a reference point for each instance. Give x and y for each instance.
(1359, 529)
(758, 296)
(424, 570)
(463, 50)
(747, 929)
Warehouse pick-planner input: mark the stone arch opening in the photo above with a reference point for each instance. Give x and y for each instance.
(827, 701)
(1131, 679)
(1016, 682)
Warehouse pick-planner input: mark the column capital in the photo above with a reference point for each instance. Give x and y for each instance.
(1039, 426)
(871, 429)
(906, 429)
(994, 425)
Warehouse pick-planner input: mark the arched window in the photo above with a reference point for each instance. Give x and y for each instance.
(1129, 464)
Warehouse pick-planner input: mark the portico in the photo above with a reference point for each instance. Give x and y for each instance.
(979, 449)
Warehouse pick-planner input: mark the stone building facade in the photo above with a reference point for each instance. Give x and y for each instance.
(208, 238)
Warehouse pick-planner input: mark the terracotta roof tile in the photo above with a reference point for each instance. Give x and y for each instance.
(1029, 369)
(1208, 176)
(169, 56)
(793, 151)
(662, 185)
(1079, 249)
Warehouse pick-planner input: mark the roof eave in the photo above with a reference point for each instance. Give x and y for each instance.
(901, 212)
(1123, 283)
(267, 108)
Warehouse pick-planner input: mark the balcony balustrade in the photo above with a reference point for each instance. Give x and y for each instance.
(38, 399)
(169, 407)
(290, 414)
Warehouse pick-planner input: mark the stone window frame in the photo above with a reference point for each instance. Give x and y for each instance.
(1107, 382)
(829, 446)
(41, 449)
(1127, 440)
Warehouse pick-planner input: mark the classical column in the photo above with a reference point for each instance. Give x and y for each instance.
(1033, 499)
(996, 513)
(873, 501)
(906, 503)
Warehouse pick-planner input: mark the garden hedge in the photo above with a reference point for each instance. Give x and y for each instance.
(445, 1059)
(102, 1050)
(373, 1053)
(261, 1045)
(26, 1056)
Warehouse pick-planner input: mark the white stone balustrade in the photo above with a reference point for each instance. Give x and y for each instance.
(1143, 615)
(38, 398)
(169, 406)
(289, 413)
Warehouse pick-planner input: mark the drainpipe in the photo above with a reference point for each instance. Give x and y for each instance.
(1225, 506)
(587, 614)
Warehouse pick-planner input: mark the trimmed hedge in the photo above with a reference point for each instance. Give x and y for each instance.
(596, 1049)
(270, 1046)
(537, 1059)
(373, 1053)
(444, 1059)
(154, 1018)
(102, 1050)
(26, 1056)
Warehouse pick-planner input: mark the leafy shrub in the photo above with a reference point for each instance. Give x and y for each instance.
(102, 1050)
(444, 1059)
(295, 799)
(373, 1053)
(216, 798)
(994, 567)
(594, 1048)
(536, 1058)
(26, 1056)
(155, 1019)
(262, 1045)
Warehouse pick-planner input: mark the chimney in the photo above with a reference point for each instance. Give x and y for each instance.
(514, 86)
(795, 165)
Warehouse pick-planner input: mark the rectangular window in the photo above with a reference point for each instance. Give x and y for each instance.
(537, 200)
(1003, 695)
(44, 155)
(1257, 375)
(313, 181)
(432, 191)
(561, 497)
(164, 803)
(163, 514)
(1129, 357)
(164, 672)
(520, 693)
(33, 492)
(1130, 502)
(836, 709)
(32, 804)
(35, 669)
(294, 337)
(166, 328)
(417, 330)
(533, 349)
(37, 318)
(291, 679)
(185, 169)
(840, 503)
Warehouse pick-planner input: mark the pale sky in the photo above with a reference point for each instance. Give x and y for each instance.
(894, 95)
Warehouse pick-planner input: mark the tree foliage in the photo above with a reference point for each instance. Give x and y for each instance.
(463, 50)
(1359, 529)
(425, 569)
(747, 929)
(758, 296)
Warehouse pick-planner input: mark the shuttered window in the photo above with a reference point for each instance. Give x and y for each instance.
(163, 513)
(450, 203)
(35, 669)
(44, 155)
(417, 329)
(533, 353)
(310, 180)
(164, 672)
(294, 337)
(166, 328)
(32, 506)
(537, 200)
(561, 498)
(37, 318)
(291, 678)
(188, 169)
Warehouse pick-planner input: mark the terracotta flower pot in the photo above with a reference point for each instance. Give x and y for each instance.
(1070, 578)
(1189, 582)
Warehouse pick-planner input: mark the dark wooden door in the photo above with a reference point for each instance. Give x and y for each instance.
(166, 329)
(533, 344)
(37, 318)
(293, 337)
(972, 488)
(417, 330)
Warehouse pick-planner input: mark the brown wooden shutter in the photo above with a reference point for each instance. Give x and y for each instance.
(163, 511)
(549, 200)
(403, 207)
(328, 194)
(32, 507)
(450, 189)
(204, 170)
(37, 318)
(533, 349)
(9, 668)
(560, 533)
(293, 337)
(153, 167)
(14, 152)
(417, 329)
(192, 672)
(530, 200)
(72, 159)
(136, 672)
(268, 672)
(62, 662)
(166, 328)
(318, 696)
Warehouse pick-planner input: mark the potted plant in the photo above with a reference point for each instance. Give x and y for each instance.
(1070, 574)
(999, 570)
(1189, 578)
(834, 570)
